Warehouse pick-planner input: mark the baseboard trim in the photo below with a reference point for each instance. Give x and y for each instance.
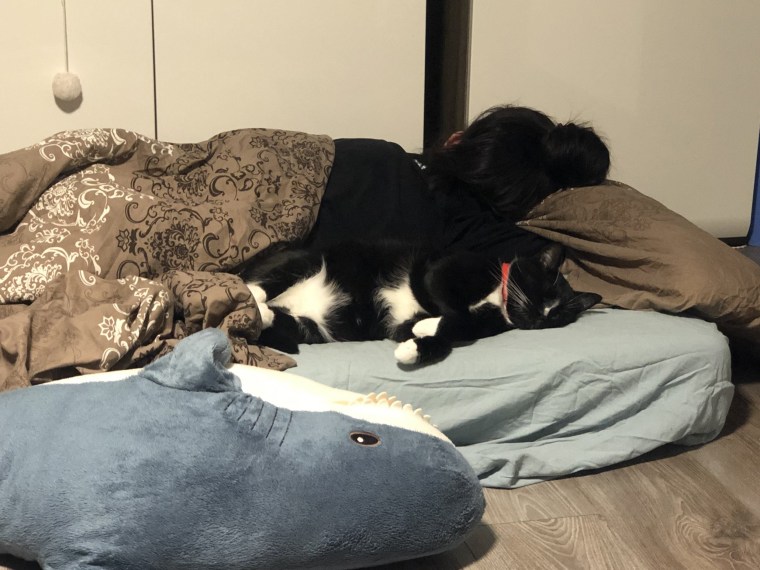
(734, 241)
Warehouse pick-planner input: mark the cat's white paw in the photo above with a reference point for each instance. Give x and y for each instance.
(406, 352)
(426, 327)
(258, 294)
(267, 315)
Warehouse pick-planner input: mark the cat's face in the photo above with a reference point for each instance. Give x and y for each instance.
(539, 297)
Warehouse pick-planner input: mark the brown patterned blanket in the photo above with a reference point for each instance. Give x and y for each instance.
(114, 246)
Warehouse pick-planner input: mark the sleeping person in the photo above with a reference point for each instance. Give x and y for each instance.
(468, 193)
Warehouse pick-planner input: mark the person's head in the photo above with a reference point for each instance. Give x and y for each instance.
(513, 157)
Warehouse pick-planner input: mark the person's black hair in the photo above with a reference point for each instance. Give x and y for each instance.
(513, 157)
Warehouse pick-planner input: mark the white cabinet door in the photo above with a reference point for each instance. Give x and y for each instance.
(110, 49)
(346, 68)
(673, 85)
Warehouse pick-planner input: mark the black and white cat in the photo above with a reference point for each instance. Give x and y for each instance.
(424, 300)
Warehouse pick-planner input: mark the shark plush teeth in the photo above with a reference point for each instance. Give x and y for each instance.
(176, 467)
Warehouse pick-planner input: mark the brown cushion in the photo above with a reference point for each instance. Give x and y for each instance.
(638, 254)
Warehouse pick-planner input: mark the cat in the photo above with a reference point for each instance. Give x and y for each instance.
(425, 300)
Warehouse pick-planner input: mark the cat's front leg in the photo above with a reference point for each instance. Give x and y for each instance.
(434, 336)
(422, 350)
(426, 327)
(454, 327)
(406, 352)
(427, 345)
(260, 296)
(267, 315)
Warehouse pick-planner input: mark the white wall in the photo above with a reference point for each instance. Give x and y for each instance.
(346, 68)
(109, 48)
(674, 85)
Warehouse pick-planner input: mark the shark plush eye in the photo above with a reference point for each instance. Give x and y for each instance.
(364, 438)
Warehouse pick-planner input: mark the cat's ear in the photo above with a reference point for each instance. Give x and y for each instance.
(583, 301)
(551, 257)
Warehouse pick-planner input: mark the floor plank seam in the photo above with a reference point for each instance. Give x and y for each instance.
(547, 519)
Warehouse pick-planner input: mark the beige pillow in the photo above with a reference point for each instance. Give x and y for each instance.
(638, 254)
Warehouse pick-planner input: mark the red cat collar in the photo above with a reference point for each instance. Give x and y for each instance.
(504, 281)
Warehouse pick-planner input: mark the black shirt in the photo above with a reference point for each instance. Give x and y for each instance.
(378, 191)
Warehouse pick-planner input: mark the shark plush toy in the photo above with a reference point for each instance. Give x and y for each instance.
(177, 467)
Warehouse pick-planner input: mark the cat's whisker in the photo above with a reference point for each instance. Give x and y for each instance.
(516, 291)
(520, 300)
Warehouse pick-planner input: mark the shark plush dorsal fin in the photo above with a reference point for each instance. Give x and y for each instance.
(198, 363)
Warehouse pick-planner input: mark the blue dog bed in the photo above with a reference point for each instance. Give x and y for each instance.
(527, 406)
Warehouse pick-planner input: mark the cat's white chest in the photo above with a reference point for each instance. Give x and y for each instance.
(496, 299)
(493, 298)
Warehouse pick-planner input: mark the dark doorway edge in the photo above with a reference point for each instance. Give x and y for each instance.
(447, 54)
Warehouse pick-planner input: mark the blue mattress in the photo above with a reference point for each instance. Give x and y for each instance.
(527, 406)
